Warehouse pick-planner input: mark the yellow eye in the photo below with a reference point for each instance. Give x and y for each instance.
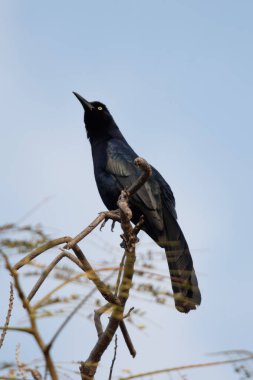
(100, 108)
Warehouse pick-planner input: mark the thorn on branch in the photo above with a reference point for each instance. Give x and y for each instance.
(128, 313)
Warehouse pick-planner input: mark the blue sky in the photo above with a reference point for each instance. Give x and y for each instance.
(177, 77)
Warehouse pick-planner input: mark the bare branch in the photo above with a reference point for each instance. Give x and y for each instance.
(127, 339)
(32, 319)
(45, 299)
(189, 366)
(20, 364)
(18, 329)
(114, 357)
(85, 265)
(119, 274)
(8, 317)
(91, 274)
(49, 268)
(36, 252)
(138, 226)
(97, 316)
(102, 216)
(147, 172)
(35, 373)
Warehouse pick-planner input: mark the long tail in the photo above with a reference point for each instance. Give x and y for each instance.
(183, 278)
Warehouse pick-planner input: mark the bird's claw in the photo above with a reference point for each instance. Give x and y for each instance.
(103, 224)
(123, 244)
(113, 225)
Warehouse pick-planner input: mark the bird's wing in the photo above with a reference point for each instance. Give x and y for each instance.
(167, 195)
(120, 163)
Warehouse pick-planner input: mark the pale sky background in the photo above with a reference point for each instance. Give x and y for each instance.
(177, 77)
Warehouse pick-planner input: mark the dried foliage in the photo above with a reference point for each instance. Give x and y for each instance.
(8, 317)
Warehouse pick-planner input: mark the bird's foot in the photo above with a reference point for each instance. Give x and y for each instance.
(103, 224)
(123, 244)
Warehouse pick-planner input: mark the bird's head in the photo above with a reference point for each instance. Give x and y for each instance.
(97, 119)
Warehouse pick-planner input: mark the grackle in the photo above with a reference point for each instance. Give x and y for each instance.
(114, 169)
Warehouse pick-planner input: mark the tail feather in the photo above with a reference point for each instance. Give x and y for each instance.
(183, 278)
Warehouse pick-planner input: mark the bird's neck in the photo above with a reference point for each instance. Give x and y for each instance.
(103, 134)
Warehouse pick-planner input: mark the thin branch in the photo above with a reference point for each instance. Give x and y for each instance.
(102, 216)
(35, 373)
(119, 274)
(8, 317)
(97, 316)
(138, 225)
(49, 268)
(129, 313)
(43, 300)
(189, 366)
(146, 173)
(114, 357)
(36, 252)
(32, 319)
(20, 365)
(18, 329)
(127, 339)
(91, 274)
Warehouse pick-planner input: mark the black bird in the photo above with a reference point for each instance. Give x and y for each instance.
(114, 169)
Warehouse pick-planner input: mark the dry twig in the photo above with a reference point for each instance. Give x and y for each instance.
(8, 317)
(20, 365)
(189, 366)
(32, 318)
(114, 357)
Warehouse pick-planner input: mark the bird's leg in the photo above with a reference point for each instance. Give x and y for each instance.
(114, 215)
(104, 223)
(136, 230)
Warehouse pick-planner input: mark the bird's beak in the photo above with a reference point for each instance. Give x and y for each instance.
(86, 105)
